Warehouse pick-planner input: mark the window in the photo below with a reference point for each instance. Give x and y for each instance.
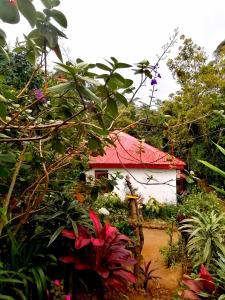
(101, 173)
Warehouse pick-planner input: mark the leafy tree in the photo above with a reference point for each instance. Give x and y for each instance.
(195, 115)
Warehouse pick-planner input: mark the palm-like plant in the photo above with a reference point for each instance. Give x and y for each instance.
(206, 237)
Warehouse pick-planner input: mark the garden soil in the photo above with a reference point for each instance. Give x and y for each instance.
(169, 277)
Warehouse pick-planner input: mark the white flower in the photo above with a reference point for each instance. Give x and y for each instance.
(104, 211)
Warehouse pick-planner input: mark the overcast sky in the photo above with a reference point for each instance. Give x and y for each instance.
(133, 30)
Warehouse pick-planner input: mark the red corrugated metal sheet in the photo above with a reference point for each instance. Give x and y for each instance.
(130, 152)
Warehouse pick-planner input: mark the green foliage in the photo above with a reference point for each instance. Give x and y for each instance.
(125, 227)
(151, 208)
(215, 169)
(154, 209)
(9, 12)
(195, 114)
(24, 266)
(17, 72)
(200, 202)
(173, 254)
(206, 237)
(186, 207)
(118, 210)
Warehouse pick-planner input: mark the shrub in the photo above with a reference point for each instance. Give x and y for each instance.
(118, 209)
(206, 237)
(196, 201)
(201, 202)
(125, 227)
(152, 208)
(101, 253)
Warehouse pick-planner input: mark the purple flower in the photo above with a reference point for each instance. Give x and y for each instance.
(159, 75)
(68, 297)
(153, 81)
(39, 95)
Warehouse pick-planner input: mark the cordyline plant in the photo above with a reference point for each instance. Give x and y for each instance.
(105, 253)
(147, 272)
(202, 287)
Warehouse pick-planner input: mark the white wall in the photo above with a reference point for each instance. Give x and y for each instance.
(162, 186)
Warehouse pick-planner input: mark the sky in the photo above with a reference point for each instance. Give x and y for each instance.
(132, 30)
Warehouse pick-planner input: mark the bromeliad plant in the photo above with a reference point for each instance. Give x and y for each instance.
(102, 251)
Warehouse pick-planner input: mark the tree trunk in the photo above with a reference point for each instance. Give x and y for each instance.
(138, 229)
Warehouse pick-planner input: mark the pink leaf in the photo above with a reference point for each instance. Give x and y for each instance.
(96, 222)
(67, 259)
(190, 295)
(116, 284)
(82, 266)
(68, 234)
(207, 279)
(127, 275)
(110, 231)
(204, 274)
(194, 285)
(97, 242)
(82, 242)
(103, 272)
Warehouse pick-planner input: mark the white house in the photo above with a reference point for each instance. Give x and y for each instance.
(151, 171)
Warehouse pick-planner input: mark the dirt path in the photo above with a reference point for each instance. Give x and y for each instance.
(154, 240)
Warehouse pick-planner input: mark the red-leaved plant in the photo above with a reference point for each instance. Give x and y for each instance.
(105, 253)
(200, 287)
(147, 272)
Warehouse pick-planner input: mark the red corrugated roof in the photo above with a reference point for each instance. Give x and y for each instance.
(130, 152)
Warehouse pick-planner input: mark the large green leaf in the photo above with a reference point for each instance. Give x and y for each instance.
(121, 99)
(9, 157)
(9, 12)
(47, 3)
(86, 92)
(6, 297)
(222, 191)
(59, 17)
(213, 168)
(11, 280)
(2, 38)
(3, 108)
(52, 39)
(55, 235)
(58, 52)
(5, 54)
(4, 172)
(112, 108)
(55, 3)
(27, 9)
(50, 3)
(103, 67)
(222, 150)
(117, 81)
(122, 65)
(60, 88)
